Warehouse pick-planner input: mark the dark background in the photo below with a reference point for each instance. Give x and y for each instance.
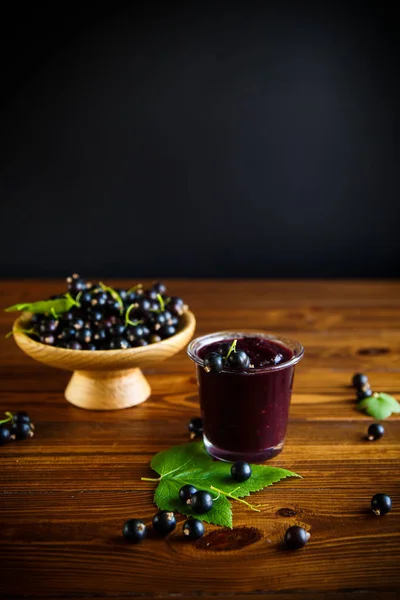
(222, 139)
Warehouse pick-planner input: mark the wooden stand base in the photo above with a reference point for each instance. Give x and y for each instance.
(107, 390)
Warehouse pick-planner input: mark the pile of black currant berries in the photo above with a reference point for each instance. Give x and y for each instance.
(226, 355)
(17, 426)
(104, 318)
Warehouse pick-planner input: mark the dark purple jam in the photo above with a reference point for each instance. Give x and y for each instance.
(245, 413)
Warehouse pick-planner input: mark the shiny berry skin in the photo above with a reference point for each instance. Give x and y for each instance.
(49, 326)
(154, 339)
(381, 504)
(140, 342)
(201, 502)
(67, 334)
(117, 330)
(193, 529)
(241, 471)
(96, 316)
(21, 417)
(134, 531)
(213, 362)
(73, 345)
(167, 331)
(49, 339)
(176, 306)
(22, 430)
(78, 324)
(144, 305)
(119, 343)
(239, 360)
(159, 288)
(5, 435)
(195, 427)
(84, 336)
(100, 334)
(364, 393)
(186, 492)
(76, 284)
(296, 537)
(164, 522)
(375, 431)
(134, 332)
(85, 299)
(359, 380)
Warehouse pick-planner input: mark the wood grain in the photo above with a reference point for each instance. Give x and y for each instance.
(65, 494)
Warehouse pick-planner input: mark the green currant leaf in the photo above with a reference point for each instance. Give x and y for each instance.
(191, 464)
(380, 406)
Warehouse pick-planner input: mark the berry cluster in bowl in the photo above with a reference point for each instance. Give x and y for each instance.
(97, 317)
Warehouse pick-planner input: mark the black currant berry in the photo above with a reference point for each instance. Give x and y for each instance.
(119, 343)
(241, 471)
(186, 492)
(76, 284)
(90, 346)
(140, 342)
(375, 431)
(117, 330)
(176, 306)
(48, 338)
(21, 417)
(239, 360)
(201, 502)
(84, 336)
(364, 393)
(167, 331)
(154, 338)
(381, 504)
(359, 380)
(73, 345)
(213, 362)
(22, 430)
(134, 531)
(67, 334)
(195, 427)
(193, 529)
(78, 324)
(5, 435)
(296, 537)
(164, 522)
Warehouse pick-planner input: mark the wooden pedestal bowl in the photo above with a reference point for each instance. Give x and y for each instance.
(105, 379)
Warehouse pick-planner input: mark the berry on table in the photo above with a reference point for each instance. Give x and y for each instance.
(381, 504)
(241, 471)
(359, 380)
(213, 362)
(195, 427)
(239, 360)
(375, 431)
(201, 502)
(296, 537)
(164, 522)
(186, 492)
(193, 529)
(364, 393)
(134, 531)
(21, 417)
(5, 435)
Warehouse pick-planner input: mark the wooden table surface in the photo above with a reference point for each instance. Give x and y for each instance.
(65, 494)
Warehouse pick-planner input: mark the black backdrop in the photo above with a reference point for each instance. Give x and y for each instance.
(222, 139)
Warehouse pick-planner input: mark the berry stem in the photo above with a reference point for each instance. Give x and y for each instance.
(114, 294)
(150, 479)
(128, 312)
(161, 301)
(251, 506)
(9, 418)
(231, 349)
(29, 331)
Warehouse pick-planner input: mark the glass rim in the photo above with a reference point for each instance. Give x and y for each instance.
(199, 342)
